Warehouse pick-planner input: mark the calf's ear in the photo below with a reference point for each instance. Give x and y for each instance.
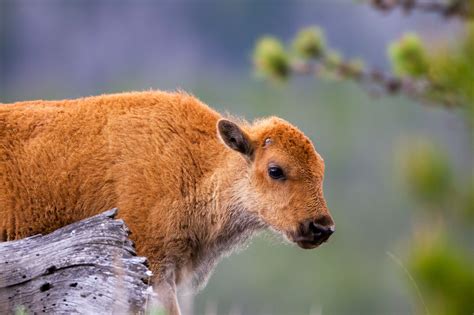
(234, 137)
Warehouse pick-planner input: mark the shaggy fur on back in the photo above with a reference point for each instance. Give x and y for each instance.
(63, 161)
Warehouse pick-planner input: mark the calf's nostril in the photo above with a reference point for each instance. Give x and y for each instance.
(321, 231)
(314, 228)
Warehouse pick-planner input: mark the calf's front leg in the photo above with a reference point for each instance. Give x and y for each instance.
(166, 291)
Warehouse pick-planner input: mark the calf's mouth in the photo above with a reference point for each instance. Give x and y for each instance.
(311, 235)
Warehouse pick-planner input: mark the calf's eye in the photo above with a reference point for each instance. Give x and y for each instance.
(276, 172)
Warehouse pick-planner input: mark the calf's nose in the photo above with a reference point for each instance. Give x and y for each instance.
(320, 233)
(312, 233)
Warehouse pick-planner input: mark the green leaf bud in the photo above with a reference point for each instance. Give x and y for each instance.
(408, 56)
(309, 43)
(270, 58)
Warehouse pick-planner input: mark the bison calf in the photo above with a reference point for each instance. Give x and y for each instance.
(190, 184)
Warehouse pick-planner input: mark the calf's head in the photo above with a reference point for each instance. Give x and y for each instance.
(284, 175)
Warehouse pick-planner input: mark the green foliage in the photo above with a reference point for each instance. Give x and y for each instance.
(446, 276)
(309, 43)
(408, 56)
(438, 76)
(270, 58)
(468, 201)
(442, 269)
(428, 172)
(452, 69)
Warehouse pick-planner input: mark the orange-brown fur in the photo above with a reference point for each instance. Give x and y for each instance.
(186, 197)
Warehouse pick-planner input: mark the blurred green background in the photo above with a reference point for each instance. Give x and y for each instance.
(64, 49)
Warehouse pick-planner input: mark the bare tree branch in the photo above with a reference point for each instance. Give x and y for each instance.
(377, 82)
(463, 9)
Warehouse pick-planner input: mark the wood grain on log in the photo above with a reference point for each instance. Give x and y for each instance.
(88, 267)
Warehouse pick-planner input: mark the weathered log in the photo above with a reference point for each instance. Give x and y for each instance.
(88, 267)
